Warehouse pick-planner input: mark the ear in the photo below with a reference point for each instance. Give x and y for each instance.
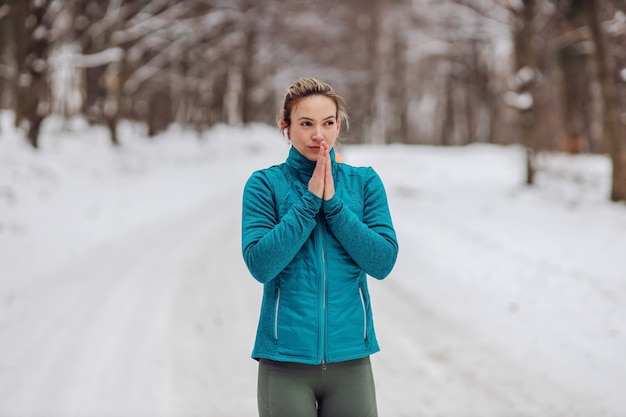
(284, 129)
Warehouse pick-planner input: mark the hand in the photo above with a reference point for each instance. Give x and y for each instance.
(316, 183)
(321, 183)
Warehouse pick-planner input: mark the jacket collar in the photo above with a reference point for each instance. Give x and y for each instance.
(301, 166)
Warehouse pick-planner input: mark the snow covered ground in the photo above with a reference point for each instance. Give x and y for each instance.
(123, 292)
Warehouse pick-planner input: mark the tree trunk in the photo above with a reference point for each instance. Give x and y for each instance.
(159, 113)
(383, 49)
(398, 124)
(611, 122)
(576, 99)
(470, 102)
(448, 122)
(112, 84)
(233, 99)
(248, 110)
(574, 69)
(5, 49)
(31, 55)
(525, 55)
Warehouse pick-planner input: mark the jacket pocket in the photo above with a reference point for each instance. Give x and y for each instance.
(276, 313)
(364, 306)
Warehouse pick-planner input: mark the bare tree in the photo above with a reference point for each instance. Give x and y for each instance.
(525, 81)
(6, 70)
(381, 80)
(453, 62)
(31, 24)
(612, 128)
(161, 61)
(573, 49)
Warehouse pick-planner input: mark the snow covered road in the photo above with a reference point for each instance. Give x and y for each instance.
(163, 326)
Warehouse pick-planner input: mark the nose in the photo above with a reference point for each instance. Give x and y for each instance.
(318, 134)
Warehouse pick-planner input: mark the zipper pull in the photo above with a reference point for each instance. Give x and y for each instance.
(323, 364)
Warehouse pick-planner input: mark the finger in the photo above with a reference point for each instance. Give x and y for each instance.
(316, 183)
(320, 166)
(328, 172)
(322, 149)
(329, 183)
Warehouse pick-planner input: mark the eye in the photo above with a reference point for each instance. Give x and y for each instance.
(330, 122)
(306, 123)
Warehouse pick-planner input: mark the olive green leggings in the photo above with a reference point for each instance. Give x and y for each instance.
(343, 389)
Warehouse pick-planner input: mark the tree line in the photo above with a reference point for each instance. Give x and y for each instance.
(549, 74)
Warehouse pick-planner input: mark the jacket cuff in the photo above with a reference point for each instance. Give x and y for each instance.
(332, 207)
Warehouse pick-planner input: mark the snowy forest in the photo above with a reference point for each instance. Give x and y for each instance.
(128, 130)
(549, 74)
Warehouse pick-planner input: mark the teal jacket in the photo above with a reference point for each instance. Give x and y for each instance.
(312, 257)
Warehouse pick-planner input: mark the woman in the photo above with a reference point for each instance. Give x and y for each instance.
(312, 229)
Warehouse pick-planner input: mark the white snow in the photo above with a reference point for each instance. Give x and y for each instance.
(123, 292)
(521, 101)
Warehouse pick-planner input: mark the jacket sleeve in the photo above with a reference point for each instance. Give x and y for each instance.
(371, 243)
(269, 243)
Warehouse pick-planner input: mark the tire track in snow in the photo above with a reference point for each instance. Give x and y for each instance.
(215, 312)
(430, 366)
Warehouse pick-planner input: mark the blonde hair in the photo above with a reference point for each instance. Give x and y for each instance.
(305, 87)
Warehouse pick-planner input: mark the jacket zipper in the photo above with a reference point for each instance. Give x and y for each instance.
(323, 309)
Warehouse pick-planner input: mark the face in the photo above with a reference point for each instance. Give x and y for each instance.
(313, 121)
